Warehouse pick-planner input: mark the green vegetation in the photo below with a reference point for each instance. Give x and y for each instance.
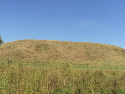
(1, 41)
(60, 79)
(58, 67)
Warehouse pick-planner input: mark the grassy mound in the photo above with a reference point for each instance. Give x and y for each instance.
(61, 67)
(62, 50)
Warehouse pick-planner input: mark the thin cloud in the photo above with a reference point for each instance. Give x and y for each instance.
(89, 24)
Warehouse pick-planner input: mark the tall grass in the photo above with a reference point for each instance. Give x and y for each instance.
(60, 79)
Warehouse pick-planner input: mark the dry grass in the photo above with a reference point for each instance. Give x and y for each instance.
(74, 51)
(62, 79)
(61, 67)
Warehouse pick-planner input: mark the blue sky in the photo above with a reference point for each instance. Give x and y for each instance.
(97, 21)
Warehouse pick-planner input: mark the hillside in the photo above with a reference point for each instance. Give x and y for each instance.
(62, 50)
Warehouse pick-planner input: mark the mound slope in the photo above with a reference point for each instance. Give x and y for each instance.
(62, 50)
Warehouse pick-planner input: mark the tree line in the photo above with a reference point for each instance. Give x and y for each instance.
(1, 41)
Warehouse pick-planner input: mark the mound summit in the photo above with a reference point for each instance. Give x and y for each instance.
(62, 50)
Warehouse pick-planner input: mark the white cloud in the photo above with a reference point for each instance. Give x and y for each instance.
(83, 23)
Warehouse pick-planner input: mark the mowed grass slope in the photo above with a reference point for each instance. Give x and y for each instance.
(62, 50)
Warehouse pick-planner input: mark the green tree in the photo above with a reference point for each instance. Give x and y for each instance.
(1, 41)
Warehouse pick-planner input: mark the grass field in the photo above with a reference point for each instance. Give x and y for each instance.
(52, 77)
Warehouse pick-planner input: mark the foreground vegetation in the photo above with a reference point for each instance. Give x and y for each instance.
(62, 78)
